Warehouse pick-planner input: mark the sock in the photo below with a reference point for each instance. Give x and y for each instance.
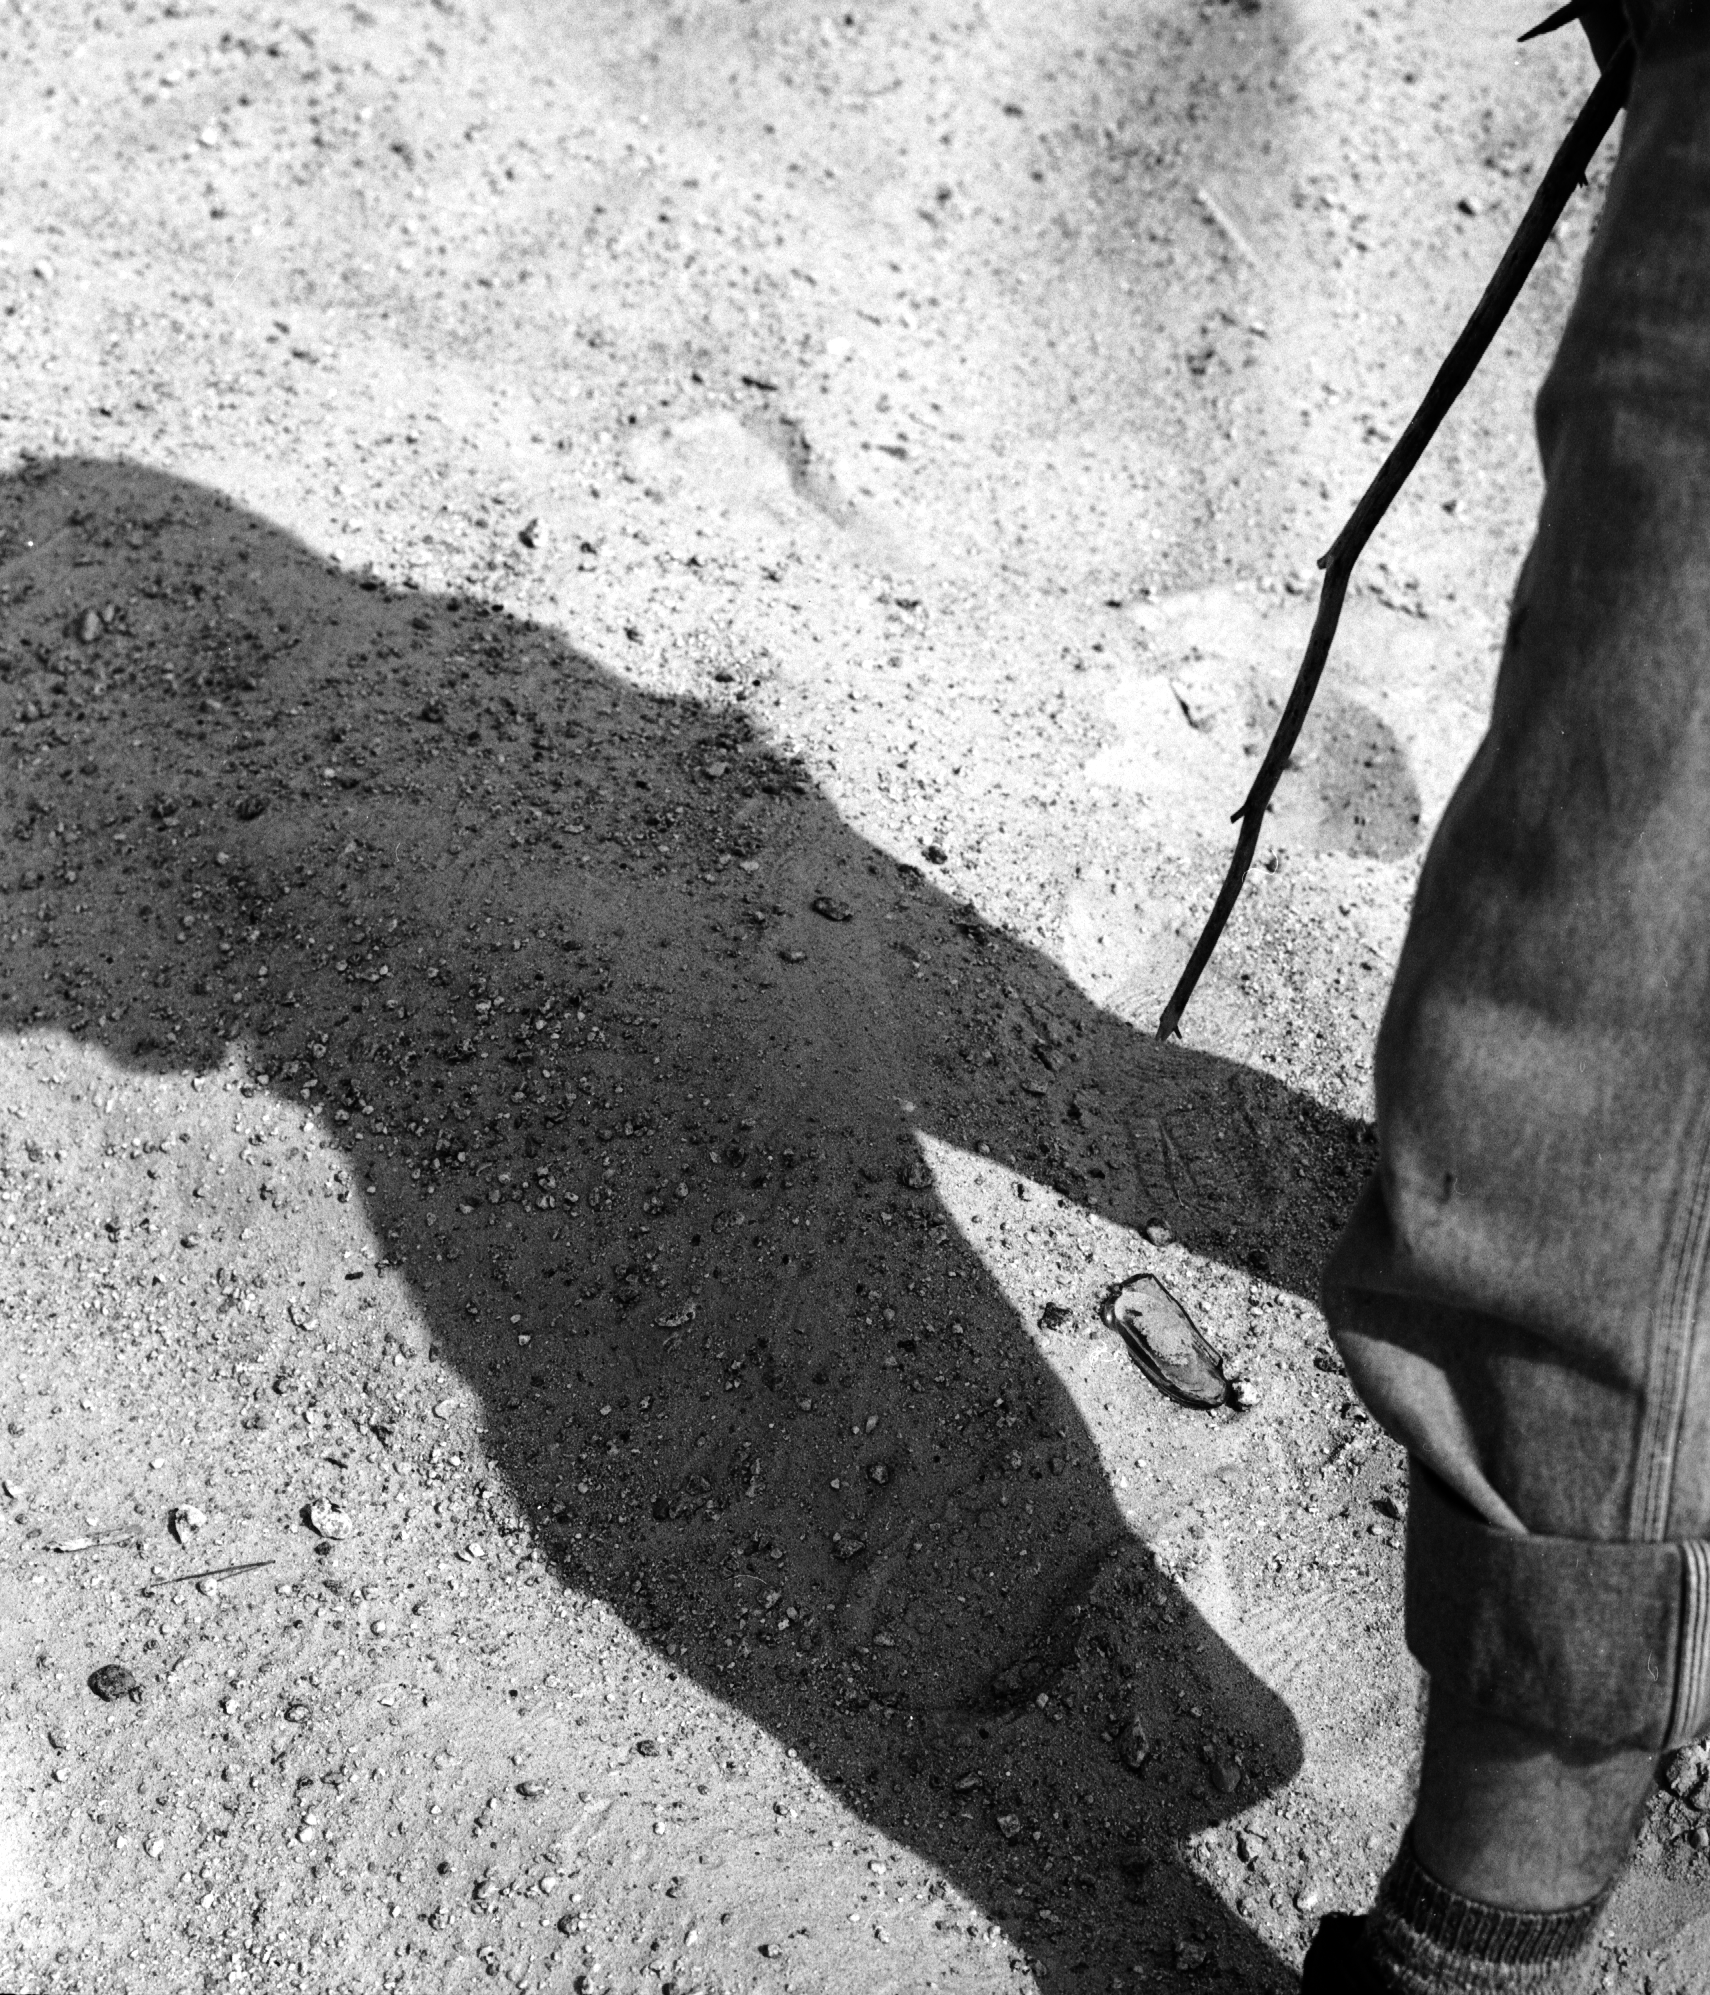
(1425, 1939)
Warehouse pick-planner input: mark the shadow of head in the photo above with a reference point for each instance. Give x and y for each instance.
(630, 1041)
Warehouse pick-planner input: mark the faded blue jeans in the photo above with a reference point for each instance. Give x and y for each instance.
(1522, 1296)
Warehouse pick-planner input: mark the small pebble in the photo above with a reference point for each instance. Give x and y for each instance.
(329, 1520)
(1683, 1772)
(113, 1681)
(1134, 1746)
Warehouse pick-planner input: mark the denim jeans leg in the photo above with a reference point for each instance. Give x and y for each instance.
(1521, 1295)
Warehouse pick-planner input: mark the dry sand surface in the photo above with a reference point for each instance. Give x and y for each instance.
(626, 637)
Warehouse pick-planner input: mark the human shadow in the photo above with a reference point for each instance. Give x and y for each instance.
(631, 1044)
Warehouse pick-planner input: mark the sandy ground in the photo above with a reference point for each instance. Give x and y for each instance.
(626, 636)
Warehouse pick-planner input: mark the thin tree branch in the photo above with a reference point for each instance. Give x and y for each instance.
(1563, 17)
(1566, 172)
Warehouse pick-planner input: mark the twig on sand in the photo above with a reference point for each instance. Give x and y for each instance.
(209, 1572)
(1237, 241)
(1563, 17)
(1566, 171)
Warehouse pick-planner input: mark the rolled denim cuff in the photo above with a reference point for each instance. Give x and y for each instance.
(1603, 1644)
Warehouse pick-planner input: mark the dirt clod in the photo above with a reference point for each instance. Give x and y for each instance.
(112, 1681)
(330, 1521)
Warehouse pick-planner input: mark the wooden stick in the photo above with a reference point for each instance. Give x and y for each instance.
(1566, 172)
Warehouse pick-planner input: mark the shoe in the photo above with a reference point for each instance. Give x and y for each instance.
(1337, 1962)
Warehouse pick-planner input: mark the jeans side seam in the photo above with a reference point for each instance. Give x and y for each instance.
(1673, 1325)
(1687, 1714)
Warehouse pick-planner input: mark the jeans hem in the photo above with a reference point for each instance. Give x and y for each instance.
(1600, 1644)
